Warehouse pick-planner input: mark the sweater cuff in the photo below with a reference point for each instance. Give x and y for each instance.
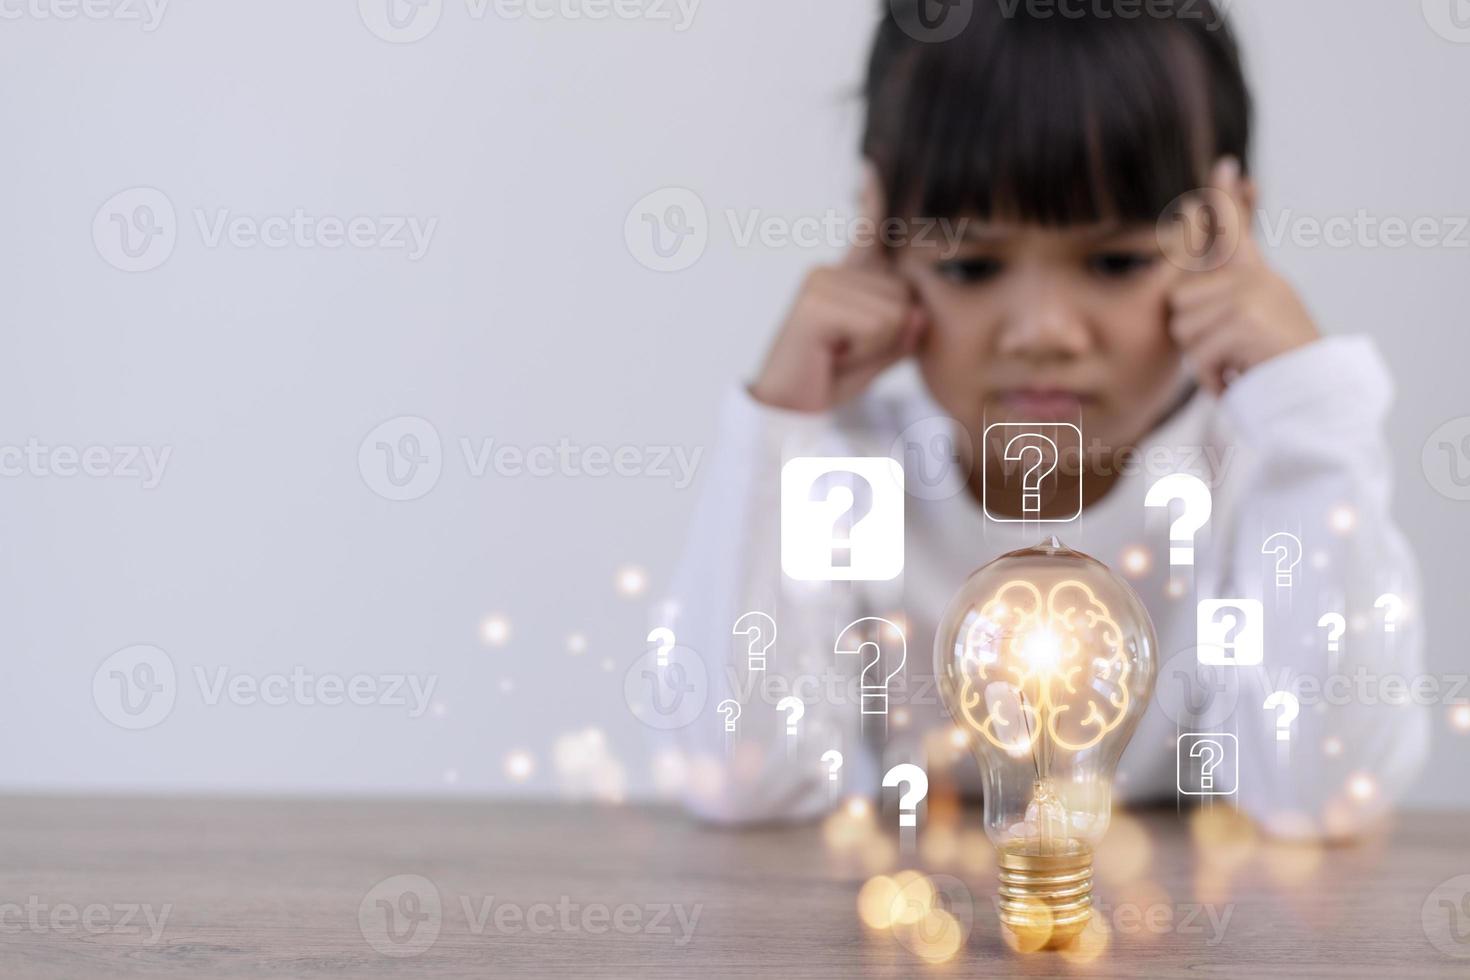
(1341, 380)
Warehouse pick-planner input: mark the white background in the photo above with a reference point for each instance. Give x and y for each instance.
(527, 322)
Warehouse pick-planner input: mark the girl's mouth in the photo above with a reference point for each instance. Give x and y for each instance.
(1043, 404)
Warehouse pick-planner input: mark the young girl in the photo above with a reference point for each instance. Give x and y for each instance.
(1064, 148)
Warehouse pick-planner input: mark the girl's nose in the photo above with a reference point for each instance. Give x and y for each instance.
(1043, 323)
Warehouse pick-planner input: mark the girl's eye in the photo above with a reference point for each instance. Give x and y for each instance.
(968, 272)
(1119, 265)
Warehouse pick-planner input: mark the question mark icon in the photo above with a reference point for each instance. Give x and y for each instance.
(1040, 456)
(890, 645)
(1290, 708)
(1336, 625)
(1197, 507)
(833, 758)
(1211, 755)
(1288, 551)
(664, 637)
(760, 630)
(852, 504)
(908, 800)
(794, 708)
(1229, 632)
(1392, 606)
(730, 708)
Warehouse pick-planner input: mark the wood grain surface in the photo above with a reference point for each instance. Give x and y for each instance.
(94, 887)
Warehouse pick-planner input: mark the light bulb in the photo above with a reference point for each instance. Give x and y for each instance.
(1048, 658)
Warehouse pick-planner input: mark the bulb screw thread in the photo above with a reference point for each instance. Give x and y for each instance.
(1045, 892)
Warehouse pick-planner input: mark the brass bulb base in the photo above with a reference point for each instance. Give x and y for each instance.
(1045, 892)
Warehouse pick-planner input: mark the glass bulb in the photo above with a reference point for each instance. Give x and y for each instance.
(1047, 658)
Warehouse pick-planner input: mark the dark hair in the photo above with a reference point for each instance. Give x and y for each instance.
(1076, 113)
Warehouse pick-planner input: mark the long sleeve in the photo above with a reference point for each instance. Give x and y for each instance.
(731, 566)
(1310, 428)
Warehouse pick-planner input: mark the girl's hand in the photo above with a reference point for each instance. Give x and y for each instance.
(850, 323)
(1240, 312)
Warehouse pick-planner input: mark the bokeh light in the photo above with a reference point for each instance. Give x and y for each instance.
(1136, 562)
(631, 581)
(495, 630)
(1342, 519)
(1460, 718)
(518, 766)
(577, 644)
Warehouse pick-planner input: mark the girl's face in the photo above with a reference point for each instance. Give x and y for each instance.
(1031, 324)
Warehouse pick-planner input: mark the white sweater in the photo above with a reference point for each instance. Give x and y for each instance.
(1296, 444)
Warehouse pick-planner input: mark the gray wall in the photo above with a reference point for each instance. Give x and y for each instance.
(528, 320)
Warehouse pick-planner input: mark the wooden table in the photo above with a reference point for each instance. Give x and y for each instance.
(306, 888)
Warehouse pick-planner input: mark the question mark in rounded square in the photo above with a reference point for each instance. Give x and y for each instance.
(401, 916)
(667, 686)
(1207, 764)
(1230, 632)
(1198, 504)
(1033, 450)
(842, 519)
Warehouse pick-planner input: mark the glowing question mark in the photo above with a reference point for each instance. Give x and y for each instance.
(853, 504)
(874, 681)
(833, 758)
(730, 708)
(760, 629)
(1288, 551)
(1197, 507)
(1237, 623)
(1038, 469)
(1336, 626)
(1290, 708)
(795, 708)
(664, 637)
(1213, 754)
(1391, 605)
(908, 800)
